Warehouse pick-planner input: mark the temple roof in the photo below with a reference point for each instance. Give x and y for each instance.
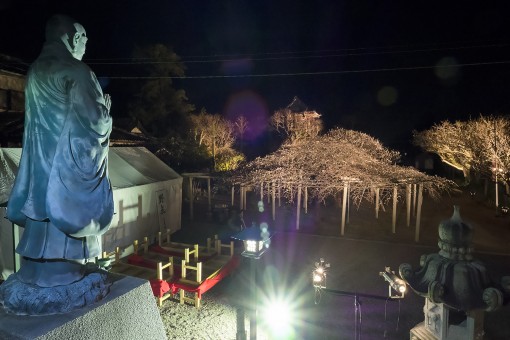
(297, 106)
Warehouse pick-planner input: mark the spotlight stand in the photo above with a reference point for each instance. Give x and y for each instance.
(394, 284)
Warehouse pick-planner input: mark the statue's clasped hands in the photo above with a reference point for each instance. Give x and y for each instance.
(107, 101)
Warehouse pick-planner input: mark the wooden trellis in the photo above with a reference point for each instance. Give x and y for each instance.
(342, 162)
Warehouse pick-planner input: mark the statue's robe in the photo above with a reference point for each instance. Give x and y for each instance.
(62, 194)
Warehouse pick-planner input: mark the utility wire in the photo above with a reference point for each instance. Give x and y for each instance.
(417, 47)
(143, 61)
(281, 55)
(268, 75)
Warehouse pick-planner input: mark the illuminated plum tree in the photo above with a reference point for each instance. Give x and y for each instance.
(493, 136)
(218, 136)
(240, 126)
(479, 145)
(451, 142)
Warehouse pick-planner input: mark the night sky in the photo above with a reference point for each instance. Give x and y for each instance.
(381, 67)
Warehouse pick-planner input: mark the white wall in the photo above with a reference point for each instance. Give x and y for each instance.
(6, 246)
(139, 214)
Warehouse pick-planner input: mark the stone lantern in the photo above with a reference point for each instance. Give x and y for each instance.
(456, 287)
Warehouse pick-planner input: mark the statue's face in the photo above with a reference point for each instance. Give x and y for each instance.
(79, 41)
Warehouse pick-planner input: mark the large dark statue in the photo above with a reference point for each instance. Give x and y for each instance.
(62, 194)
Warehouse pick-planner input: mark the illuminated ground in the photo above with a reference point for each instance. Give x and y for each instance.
(356, 260)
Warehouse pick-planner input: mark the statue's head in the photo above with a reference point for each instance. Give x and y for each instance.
(71, 33)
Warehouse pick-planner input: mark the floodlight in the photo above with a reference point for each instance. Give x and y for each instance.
(319, 274)
(394, 282)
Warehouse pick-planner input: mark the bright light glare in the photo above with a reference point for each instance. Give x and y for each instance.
(317, 278)
(394, 281)
(278, 317)
(402, 288)
(260, 205)
(319, 270)
(251, 246)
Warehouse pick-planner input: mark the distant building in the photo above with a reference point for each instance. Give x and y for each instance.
(12, 112)
(301, 110)
(12, 107)
(431, 164)
(425, 162)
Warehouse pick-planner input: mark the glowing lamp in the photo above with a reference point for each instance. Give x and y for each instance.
(256, 240)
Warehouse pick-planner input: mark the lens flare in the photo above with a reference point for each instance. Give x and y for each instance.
(253, 107)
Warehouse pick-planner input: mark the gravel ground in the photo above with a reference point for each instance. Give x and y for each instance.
(216, 318)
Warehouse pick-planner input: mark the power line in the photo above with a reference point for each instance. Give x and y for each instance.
(143, 61)
(462, 44)
(267, 75)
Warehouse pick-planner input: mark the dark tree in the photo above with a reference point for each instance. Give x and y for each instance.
(162, 109)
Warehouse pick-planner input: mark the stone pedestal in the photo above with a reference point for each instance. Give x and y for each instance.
(441, 323)
(128, 311)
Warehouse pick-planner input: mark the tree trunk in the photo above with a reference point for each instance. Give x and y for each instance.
(467, 175)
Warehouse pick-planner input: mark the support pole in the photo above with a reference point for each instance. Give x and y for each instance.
(241, 329)
(408, 204)
(232, 196)
(414, 199)
(496, 164)
(344, 202)
(209, 193)
(298, 212)
(418, 214)
(253, 312)
(191, 198)
(261, 191)
(305, 203)
(377, 203)
(241, 196)
(279, 194)
(348, 203)
(273, 201)
(244, 198)
(394, 215)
